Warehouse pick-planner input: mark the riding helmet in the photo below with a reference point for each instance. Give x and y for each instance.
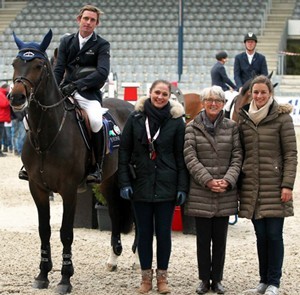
(250, 36)
(221, 54)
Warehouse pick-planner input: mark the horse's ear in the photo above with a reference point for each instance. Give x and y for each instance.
(46, 41)
(270, 75)
(274, 85)
(19, 43)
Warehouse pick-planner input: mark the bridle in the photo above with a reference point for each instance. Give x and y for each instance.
(31, 88)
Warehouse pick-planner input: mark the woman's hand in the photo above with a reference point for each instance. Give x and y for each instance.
(286, 194)
(216, 185)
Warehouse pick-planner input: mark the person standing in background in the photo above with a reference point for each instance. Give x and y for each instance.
(218, 73)
(268, 177)
(250, 63)
(4, 112)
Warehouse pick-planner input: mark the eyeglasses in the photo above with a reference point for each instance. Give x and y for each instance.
(216, 101)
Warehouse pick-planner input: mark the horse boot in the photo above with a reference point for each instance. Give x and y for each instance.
(146, 284)
(162, 282)
(95, 176)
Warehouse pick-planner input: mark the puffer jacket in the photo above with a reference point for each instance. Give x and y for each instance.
(160, 179)
(210, 157)
(270, 163)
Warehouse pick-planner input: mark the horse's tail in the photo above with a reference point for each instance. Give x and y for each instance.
(126, 218)
(120, 210)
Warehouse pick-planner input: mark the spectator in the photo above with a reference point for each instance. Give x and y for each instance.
(269, 171)
(19, 132)
(213, 156)
(7, 137)
(250, 63)
(4, 112)
(218, 73)
(152, 144)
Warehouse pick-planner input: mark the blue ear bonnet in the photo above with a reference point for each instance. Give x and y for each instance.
(31, 50)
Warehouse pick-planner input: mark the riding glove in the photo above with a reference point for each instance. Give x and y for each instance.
(126, 192)
(68, 89)
(180, 199)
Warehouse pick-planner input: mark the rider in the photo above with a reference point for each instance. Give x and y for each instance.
(250, 63)
(82, 68)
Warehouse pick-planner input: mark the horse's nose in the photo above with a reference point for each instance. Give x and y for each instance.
(17, 100)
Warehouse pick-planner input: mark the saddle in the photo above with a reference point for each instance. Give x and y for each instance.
(112, 132)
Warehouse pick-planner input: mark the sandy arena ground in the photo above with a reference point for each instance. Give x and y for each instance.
(19, 244)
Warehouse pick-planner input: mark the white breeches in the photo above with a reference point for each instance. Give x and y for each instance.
(93, 110)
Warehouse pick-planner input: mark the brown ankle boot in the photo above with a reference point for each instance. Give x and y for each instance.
(162, 282)
(146, 284)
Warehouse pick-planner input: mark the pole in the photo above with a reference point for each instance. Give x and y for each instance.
(180, 39)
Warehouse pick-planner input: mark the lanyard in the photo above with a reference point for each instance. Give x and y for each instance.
(152, 152)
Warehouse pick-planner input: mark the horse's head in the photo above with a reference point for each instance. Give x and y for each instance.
(31, 66)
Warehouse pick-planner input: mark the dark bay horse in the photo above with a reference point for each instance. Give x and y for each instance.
(57, 158)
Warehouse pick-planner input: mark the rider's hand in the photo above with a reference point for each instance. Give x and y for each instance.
(68, 89)
(126, 192)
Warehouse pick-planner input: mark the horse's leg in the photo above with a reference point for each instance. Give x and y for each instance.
(111, 193)
(42, 203)
(66, 236)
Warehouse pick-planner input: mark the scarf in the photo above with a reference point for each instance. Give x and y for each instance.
(156, 118)
(255, 114)
(210, 126)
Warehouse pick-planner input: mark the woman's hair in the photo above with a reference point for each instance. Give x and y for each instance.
(91, 8)
(262, 80)
(161, 81)
(213, 90)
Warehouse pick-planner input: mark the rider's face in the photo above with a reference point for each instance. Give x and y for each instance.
(250, 45)
(87, 23)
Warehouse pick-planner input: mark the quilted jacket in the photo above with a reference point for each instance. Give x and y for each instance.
(270, 163)
(210, 157)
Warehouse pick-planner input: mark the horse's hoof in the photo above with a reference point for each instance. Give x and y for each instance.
(63, 288)
(39, 284)
(111, 267)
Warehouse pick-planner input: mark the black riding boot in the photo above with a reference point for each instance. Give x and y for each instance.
(95, 175)
(23, 174)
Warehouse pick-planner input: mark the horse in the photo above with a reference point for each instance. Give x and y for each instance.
(192, 106)
(57, 156)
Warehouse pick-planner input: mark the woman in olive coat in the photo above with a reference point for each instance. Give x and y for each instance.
(267, 178)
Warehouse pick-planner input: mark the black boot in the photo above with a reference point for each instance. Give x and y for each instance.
(23, 174)
(95, 176)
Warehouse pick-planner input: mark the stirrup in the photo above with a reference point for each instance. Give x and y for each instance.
(23, 174)
(95, 177)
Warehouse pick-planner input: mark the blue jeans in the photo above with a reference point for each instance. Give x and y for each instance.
(19, 134)
(7, 138)
(270, 249)
(158, 215)
(1, 133)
